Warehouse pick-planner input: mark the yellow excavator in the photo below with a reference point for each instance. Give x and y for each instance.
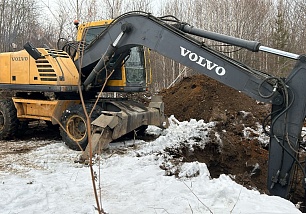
(48, 84)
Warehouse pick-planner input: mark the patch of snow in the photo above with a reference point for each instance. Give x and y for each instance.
(259, 133)
(46, 180)
(245, 113)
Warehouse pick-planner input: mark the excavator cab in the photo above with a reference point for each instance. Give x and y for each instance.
(131, 73)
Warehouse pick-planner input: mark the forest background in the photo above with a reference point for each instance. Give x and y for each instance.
(278, 24)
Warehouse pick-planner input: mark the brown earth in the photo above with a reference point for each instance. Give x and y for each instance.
(200, 97)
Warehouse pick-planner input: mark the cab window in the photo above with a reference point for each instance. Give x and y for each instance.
(134, 66)
(93, 32)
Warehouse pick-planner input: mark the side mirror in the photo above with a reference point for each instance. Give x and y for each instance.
(32, 51)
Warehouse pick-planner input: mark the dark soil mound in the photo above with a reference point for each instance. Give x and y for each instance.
(200, 97)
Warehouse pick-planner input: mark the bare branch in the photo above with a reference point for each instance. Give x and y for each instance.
(197, 197)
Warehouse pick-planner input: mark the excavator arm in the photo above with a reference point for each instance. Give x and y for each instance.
(173, 40)
(142, 29)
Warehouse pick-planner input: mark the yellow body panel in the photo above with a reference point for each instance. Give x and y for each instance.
(50, 110)
(54, 68)
(20, 65)
(5, 68)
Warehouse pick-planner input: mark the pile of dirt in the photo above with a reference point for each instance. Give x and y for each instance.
(200, 97)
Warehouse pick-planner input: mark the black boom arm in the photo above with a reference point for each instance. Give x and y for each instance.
(173, 41)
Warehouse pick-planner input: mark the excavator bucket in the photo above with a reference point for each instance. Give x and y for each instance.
(129, 116)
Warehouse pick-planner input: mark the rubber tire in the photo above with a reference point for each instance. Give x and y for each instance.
(77, 135)
(8, 119)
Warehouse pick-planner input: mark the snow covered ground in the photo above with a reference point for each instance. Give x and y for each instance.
(46, 180)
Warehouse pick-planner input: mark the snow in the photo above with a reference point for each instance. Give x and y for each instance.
(129, 174)
(262, 138)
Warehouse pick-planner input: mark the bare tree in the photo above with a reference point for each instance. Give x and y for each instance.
(114, 8)
(138, 5)
(18, 23)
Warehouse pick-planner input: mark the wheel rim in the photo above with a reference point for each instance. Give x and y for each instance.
(1, 120)
(76, 128)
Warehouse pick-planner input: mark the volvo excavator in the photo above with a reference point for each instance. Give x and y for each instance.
(46, 84)
(85, 67)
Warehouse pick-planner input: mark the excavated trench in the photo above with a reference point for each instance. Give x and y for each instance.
(244, 158)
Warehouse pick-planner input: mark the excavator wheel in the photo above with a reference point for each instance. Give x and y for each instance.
(74, 122)
(8, 119)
